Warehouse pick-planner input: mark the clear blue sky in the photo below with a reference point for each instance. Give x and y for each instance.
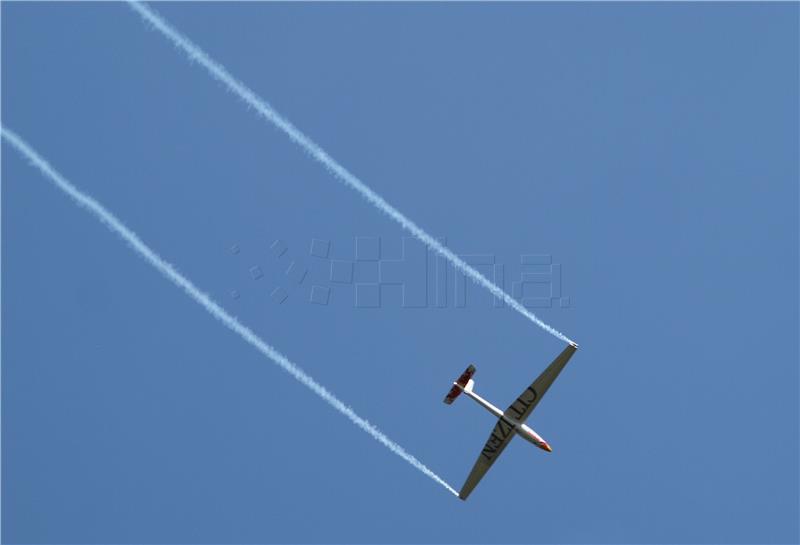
(649, 150)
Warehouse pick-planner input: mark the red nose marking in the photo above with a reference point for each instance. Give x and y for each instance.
(545, 446)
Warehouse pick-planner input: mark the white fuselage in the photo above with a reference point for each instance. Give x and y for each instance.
(521, 429)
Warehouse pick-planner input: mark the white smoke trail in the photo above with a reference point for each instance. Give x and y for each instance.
(219, 73)
(111, 221)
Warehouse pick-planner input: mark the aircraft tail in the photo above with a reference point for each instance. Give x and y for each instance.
(464, 382)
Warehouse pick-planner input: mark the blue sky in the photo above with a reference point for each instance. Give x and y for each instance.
(646, 155)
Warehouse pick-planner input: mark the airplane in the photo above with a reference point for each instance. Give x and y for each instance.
(510, 422)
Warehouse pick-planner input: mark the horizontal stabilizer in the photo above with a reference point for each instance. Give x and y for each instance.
(460, 384)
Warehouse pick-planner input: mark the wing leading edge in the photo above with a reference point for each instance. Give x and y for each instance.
(523, 406)
(520, 410)
(501, 436)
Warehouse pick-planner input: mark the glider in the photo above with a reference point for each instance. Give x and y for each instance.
(510, 422)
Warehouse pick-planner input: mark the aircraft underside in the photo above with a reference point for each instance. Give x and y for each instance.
(510, 422)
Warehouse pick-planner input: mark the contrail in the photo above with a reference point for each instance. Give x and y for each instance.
(261, 106)
(111, 221)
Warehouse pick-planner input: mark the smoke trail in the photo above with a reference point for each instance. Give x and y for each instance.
(111, 221)
(219, 73)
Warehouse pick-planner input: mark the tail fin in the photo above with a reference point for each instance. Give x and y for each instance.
(464, 382)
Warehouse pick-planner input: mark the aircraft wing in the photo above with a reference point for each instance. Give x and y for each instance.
(523, 406)
(501, 436)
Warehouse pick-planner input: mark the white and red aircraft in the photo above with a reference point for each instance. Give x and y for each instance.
(512, 421)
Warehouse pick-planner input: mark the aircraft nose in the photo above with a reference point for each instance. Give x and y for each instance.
(545, 446)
